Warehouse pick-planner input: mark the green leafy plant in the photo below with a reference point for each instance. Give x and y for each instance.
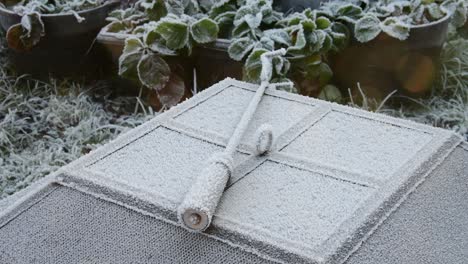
(395, 18)
(306, 36)
(178, 27)
(170, 28)
(27, 34)
(252, 26)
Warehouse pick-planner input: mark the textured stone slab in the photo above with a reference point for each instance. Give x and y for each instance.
(335, 173)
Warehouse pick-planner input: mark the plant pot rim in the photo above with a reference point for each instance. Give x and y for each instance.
(433, 23)
(84, 12)
(105, 36)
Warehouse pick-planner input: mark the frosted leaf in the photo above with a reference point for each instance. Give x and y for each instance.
(254, 21)
(435, 11)
(367, 28)
(116, 27)
(308, 25)
(175, 7)
(155, 43)
(204, 30)
(459, 11)
(418, 14)
(265, 43)
(340, 36)
(207, 4)
(153, 71)
(278, 64)
(239, 48)
(175, 33)
(132, 44)
(253, 65)
(323, 23)
(279, 36)
(331, 93)
(128, 63)
(300, 42)
(395, 28)
(173, 92)
(272, 16)
(349, 11)
(155, 9)
(241, 13)
(317, 41)
(241, 30)
(34, 29)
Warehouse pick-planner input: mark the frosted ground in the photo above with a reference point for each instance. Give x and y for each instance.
(45, 125)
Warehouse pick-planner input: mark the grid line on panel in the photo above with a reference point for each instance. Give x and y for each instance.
(245, 168)
(122, 147)
(155, 123)
(392, 194)
(200, 98)
(210, 137)
(276, 93)
(301, 127)
(325, 170)
(381, 118)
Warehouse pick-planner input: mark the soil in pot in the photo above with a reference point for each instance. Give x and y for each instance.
(66, 47)
(386, 64)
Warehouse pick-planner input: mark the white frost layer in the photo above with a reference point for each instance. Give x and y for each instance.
(359, 144)
(222, 112)
(292, 204)
(202, 199)
(163, 162)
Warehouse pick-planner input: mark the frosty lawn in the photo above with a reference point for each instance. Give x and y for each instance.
(44, 126)
(447, 106)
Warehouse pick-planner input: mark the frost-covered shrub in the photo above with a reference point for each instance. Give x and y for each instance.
(255, 28)
(160, 29)
(25, 35)
(395, 18)
(168, 28)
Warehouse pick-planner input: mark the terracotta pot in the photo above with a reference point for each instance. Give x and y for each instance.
(213, 64)
(65, 48)
(386, 64)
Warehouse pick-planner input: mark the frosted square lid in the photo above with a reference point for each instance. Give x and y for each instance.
(334, 175)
